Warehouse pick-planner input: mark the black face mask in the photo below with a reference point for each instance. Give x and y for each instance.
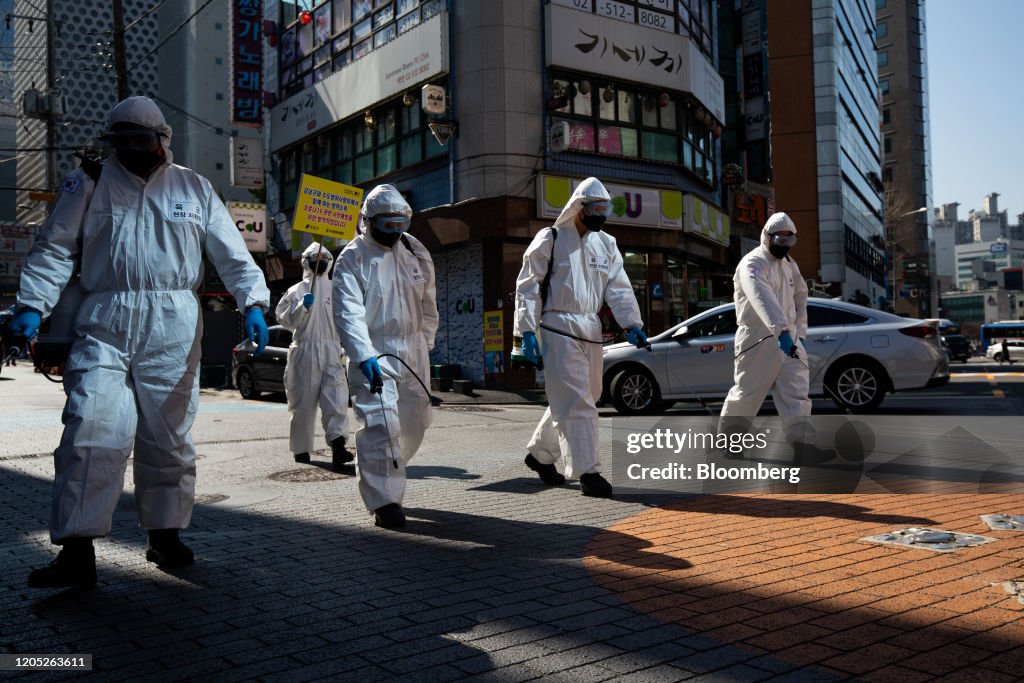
(139, 163)
(778, 252)
(388, 239)
(320, 268)
(594, 223)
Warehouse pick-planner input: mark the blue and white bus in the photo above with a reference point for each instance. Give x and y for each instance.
(1004, 329)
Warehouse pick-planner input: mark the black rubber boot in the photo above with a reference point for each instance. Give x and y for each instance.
(389, 516)
(594, 485)
(339, 454)
(167, 550)
(75, 565)
(302, 457)
(548, 474)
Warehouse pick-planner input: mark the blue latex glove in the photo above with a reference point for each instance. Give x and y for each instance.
(307, 300)
(787, 345)
(636, 337)
(371, 367)
(256, 328)
(531, 349)
(25, 323)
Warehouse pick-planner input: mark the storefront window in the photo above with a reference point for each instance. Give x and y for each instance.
(353, 154)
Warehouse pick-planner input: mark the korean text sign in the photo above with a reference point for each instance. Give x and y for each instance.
(327, 208)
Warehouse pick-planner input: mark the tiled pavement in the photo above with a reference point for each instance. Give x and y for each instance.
(498, 579)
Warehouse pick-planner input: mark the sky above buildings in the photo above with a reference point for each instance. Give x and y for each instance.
(977, 102)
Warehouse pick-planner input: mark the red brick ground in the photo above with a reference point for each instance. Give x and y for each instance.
(785, 575)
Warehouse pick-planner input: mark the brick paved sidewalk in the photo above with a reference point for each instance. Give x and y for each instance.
(497, 578)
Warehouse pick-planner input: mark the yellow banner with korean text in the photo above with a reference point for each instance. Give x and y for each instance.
(326, 208)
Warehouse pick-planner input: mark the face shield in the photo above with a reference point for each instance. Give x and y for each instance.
(132, 140)
(593, 214)
(390, 223)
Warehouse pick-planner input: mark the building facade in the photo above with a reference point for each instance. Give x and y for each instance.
(825, 141)
(983, 261)
(539, 96)
(906, 141)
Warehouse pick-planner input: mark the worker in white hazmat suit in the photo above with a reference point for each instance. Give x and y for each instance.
(132, 376)
(585, 269)
(771, 313)
(385, 303)
(315, 373)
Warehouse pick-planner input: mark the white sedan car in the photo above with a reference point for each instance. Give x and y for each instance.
(857, 355)
(1014, 346)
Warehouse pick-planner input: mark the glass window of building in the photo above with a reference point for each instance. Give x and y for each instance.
(886, 115)
(881, 30)
(627, 121)
(887, 145)
(341, 31)
(883, 58)
(354, 152)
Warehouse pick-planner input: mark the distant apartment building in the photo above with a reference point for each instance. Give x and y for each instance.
(978, 263)
(947, 232)
(906, 140)
(990, 223)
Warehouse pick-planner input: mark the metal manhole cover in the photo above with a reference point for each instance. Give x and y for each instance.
(1002, 522)
(202, 499)
(472, 409)
(308, 474)
(923, 538)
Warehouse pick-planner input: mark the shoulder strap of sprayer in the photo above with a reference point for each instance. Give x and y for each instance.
(408, 244)
(547, 276)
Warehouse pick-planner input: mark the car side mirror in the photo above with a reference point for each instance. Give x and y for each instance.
(681, 333)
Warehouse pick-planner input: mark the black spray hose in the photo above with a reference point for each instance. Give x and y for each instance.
(647, 345)
(434, 400)
(377, 387)
(15, 349)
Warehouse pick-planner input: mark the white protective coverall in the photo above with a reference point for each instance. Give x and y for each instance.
(385, 302)
(770, 296)
(585, 271)
(132, 375)
(315, 374)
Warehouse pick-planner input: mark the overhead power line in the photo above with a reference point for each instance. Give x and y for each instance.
(146, 14)
(171, 34)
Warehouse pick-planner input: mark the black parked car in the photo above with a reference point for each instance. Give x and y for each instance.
(957, 346)
(254, 375)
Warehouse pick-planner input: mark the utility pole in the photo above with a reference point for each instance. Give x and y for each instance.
(120, 63)
(53, 96)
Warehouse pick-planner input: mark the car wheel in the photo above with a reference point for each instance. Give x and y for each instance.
(634, 392)
(247, 385)
(856, 386)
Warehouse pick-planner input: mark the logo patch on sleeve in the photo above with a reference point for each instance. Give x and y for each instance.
(71, 185)
(753, 271)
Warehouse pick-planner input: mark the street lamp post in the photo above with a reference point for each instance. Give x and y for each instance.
(892, 241)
